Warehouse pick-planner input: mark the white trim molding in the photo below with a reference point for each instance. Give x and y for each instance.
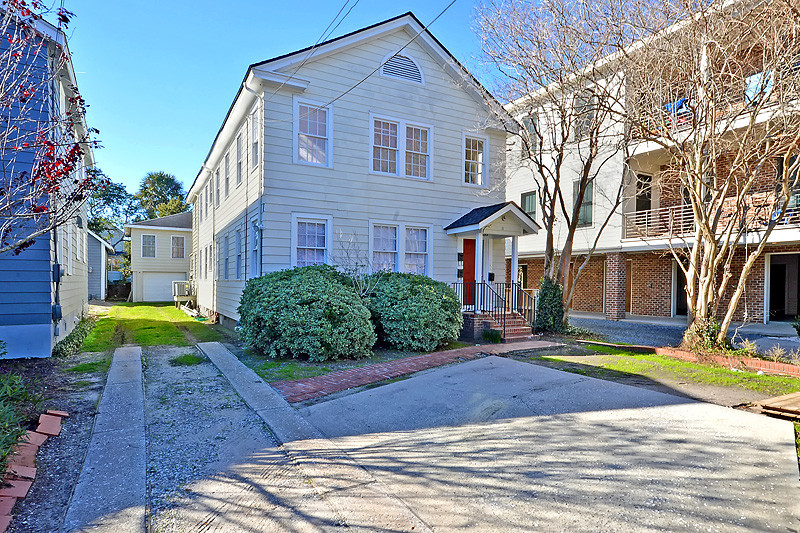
(312, 217)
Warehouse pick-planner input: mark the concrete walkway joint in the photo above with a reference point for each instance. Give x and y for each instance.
(110, 495)
(363, 502)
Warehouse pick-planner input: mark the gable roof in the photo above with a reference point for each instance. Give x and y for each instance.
(481, 217)
(180, 221)
(102, 241)
(265, 70)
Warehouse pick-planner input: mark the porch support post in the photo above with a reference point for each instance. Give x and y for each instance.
(514, 258)
(616, 285)
(479, 258)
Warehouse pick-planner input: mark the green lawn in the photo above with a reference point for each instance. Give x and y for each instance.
(614, 360)
(147, 324)
(290, 369)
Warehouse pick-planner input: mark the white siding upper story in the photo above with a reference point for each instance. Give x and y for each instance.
(319, 168)
(159, 254)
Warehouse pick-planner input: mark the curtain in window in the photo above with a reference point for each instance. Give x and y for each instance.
(384, 248)
(416, 250)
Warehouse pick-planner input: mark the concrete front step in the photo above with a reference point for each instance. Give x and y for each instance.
(517, 338)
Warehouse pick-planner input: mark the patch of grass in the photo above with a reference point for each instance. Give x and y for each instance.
(455, 345)
(289, 369)
(82, 384)
(146, 324)
(187, 359)
(654, 366)
(91, 366)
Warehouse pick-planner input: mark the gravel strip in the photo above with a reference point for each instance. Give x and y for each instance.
(212, 463)
(632, 332)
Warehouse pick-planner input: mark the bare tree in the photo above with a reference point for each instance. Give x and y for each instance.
(715, 96)
(354, 262)
(549, 54)
(44, 141)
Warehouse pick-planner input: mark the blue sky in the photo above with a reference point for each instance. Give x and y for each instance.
(159, 76)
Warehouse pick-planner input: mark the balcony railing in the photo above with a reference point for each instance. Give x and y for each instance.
(678, 220)
(665, 222)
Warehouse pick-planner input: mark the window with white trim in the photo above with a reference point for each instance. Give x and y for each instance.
(313, 134)
(239, 162)
(312, 242)
(474, 160)
(217, 185)
(227, 175)
(239, 256)
(400, 148)
(226, 256)
(384, 248)
(255, 250)
(148, 245)
(416, 250)
(178, 246)
(254, 138)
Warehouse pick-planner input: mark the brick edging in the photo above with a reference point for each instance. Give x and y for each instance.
(742, 363)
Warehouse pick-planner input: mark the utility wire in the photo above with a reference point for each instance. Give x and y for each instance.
(362, 80)
(324, 36)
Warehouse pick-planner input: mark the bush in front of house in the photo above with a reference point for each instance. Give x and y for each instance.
(71, 344)
(549, 307)
(414, 312)
(305, 313)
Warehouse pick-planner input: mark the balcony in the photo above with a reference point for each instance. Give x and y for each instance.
(678, 221)
(662, 223)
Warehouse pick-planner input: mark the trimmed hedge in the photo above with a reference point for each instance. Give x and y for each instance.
(71, 344)
(549, 307)
(415, 312)
(305, 313)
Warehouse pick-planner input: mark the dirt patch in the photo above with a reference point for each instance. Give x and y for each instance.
(212, 463)
(60, 458)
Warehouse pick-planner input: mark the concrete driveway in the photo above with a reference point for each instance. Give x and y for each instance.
(500, 445)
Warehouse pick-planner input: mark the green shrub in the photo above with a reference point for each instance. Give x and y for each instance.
(796, 324)
(492, 335)
(19, 403)
(549, 307)
(71, 344)
(415, 312)
(307, 312)
(702, 335)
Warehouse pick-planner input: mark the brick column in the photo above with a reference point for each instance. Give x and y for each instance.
(615, 286)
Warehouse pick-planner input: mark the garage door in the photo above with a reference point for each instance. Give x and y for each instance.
(157, 286)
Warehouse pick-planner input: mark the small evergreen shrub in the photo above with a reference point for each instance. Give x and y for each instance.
(702, 335)
(549, 307)
(415, 312)
(492, 335)
(19, 404)
(796, 324)
(305, 313)
(71, 344)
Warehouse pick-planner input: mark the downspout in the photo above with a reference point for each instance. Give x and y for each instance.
(262, 140)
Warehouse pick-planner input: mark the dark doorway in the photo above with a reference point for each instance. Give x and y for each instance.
(681, 304)
(784, 278)
(644, 192)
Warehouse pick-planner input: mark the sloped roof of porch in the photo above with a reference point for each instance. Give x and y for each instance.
(480, 217)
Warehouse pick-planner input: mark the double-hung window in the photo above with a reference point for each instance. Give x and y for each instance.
(148, 245)
(239, 162)
(255, 249)
(225, 256)
(400, 148)
(227, 175)
(416, 250)
(178, 247)
(474, 160)
(585, 211)
(311, 240)
(400, 247)
(217, 184)
(528, 202)
(239, 257)
(313, 134)
(254, 138)
(384, 248)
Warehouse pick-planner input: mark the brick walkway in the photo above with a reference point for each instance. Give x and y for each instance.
(316, 387)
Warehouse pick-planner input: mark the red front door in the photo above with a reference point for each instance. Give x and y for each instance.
(469, 272)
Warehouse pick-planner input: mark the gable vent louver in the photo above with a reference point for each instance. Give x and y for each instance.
(402, 67)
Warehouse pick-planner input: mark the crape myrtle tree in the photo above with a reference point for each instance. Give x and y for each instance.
(716, 87)
(43, 179)
(547, 54)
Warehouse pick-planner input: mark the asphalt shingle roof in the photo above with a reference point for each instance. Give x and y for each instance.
(477, 215)
(181, 220)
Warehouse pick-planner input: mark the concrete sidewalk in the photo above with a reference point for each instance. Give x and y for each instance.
(362, 502)
(110, 495)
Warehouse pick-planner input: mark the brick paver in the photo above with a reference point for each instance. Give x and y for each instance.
(309, 388)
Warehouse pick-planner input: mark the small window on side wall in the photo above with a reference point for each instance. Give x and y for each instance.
(148, 245)
(474, 161)
(528, 201)
(178, 247)
(313, 134)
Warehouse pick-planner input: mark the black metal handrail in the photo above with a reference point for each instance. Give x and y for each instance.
(519, 300)
(482, 298)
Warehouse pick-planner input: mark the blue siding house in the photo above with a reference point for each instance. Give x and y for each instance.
(44, 289)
